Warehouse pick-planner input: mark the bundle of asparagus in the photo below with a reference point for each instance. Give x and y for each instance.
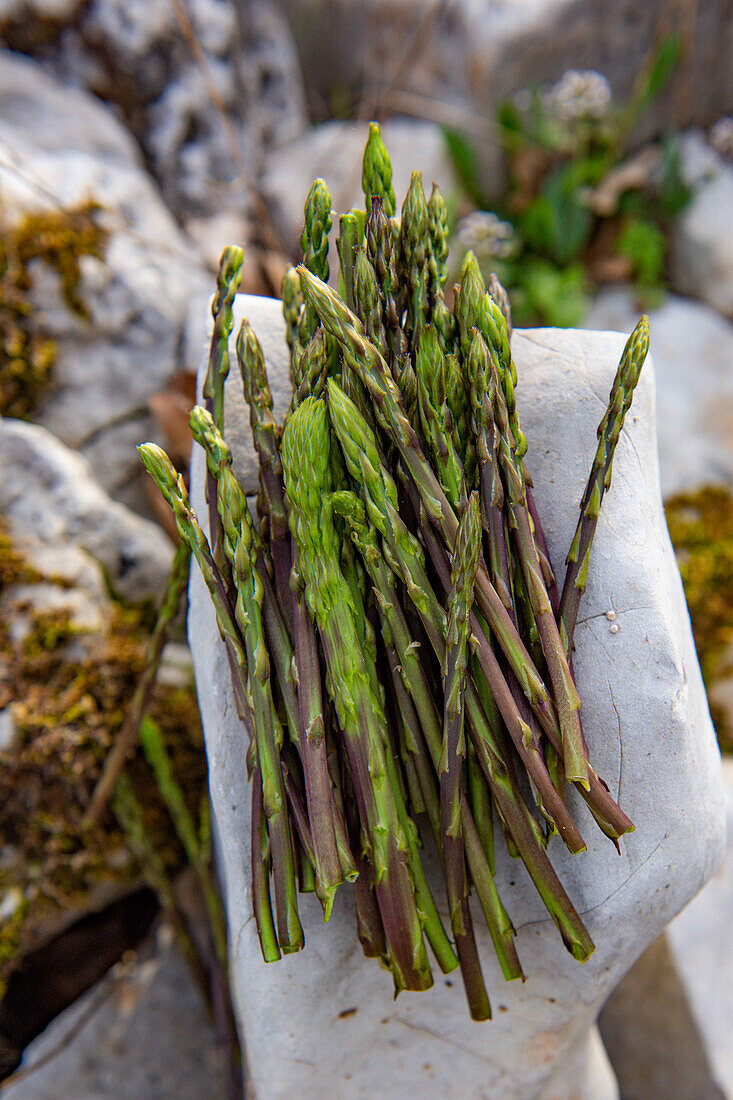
(398, 647)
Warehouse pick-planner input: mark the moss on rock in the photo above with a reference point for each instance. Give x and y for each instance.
(701, 527)
(66, 712)
(58, 238)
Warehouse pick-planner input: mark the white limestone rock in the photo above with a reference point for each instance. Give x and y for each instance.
(203, 126)
(61, 148)
(693, 351)
(48, 493)
(701, 258)
(325, 1019)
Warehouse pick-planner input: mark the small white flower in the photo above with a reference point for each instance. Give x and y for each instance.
(487, 235)
(579, 95)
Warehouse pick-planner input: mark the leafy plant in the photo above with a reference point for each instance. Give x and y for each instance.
(575, 200)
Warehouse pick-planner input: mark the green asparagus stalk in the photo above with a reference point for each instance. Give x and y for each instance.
(173, 488)
(566, 695)
(292, 299)
(228, 280)
(405, 558)
(306, 725)
(260, 863)
(380, 248)
(376, 177)
(314, 242)
(265, 435)
(436, 417)
(609, 433)
(348, 241)
(396, 630)
(413, 256)
(368, 305)
(440, 315)
(455, 666)
(240, 549)
(307, 469)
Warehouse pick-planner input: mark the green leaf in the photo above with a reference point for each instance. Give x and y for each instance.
(556, 224)
(556, 296)
(645, 246)
(464, 160)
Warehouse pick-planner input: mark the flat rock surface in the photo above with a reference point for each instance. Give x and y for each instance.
(693, 352)
(142, 1033)
(327, 1014)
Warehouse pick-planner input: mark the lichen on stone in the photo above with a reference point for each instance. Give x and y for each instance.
(67, 702)
(58, 238)
(701, 527)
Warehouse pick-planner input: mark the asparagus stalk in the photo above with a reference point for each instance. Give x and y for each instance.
(455, 665)
(395, 628)
(566, 695)
(264, 432)
(173, 488)
(240, 549)
(372, 370)
(376, 176)
(307, 469)
(292, 299)
(609, 433)
(306, 726)
(405, 559)
(346, 245)
(314, 242)
(380, 248)
(413, 255)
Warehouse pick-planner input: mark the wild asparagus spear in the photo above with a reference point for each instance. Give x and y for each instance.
(413, 256)
(413, 674)
(307, 731)
(264, 433)
(173, 488)
(609, 432)
(373, 372)
(314, 242)
(306, 464)
(292, 299)
(376, 176)
(240, 549)
(566, 694)
(455, 665)
(405, 558)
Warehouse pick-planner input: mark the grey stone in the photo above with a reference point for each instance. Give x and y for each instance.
(334, 151)
(7, 742)
(457, 62)
(48, 492)
(60, 148)
(701, 258)
(205, 87)
(650, 736)
(700, 944)
(693, 349)
(142, 1033)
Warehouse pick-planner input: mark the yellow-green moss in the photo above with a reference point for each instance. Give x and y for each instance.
(701, 527)
(58, 238)
(66, 713)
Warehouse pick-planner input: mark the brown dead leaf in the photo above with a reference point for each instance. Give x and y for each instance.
(171, 409)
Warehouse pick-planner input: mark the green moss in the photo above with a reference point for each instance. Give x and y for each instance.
(58, 238)
(701, 528)
(67, 712)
